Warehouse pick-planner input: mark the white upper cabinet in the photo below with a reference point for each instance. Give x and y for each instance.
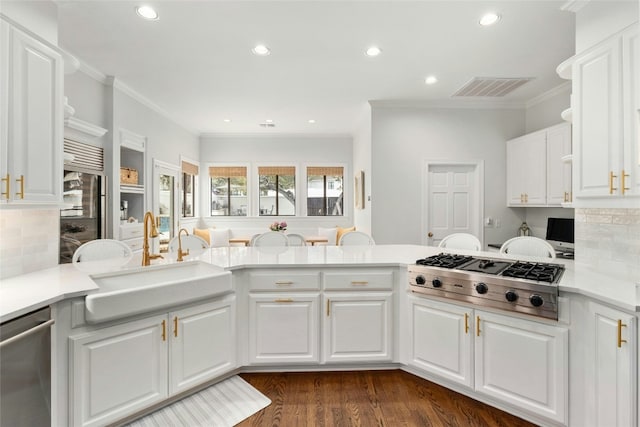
(535, 167)
(606, 169)
(31, 104)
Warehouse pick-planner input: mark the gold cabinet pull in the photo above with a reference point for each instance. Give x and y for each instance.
(623, 176)
(7, 185)
(283, 300)
(466, 323)
(566, 196)
(521, 198)
(164, 330)
(284, 283)
(175, 326)
(328, 307)
(620, 326)
(526, 198)
(477, 326)
(21, 192)
(359, 282)
(611, 187)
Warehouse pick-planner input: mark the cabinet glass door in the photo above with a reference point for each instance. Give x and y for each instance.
(165, 201)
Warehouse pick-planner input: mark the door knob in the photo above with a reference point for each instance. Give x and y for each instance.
(430, 235)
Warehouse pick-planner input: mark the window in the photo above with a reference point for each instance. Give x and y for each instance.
(325, 191)
(277, 190)
(228, 190)
(188, 191)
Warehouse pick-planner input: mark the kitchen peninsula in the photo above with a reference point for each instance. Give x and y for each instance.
(345, 307)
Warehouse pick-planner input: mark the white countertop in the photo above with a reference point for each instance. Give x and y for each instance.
(25, 293)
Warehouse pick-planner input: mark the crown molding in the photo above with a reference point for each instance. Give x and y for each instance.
(84, 127)
(562, 88)
(102, 78)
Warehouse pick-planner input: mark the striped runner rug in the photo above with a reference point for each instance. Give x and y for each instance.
(222, 405)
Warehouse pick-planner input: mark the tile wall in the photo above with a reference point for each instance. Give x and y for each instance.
(29, 240)
(609, 241)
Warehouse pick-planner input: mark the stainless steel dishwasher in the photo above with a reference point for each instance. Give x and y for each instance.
(25, 370)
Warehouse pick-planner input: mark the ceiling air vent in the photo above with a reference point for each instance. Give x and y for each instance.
(491, 86)
(268, 125)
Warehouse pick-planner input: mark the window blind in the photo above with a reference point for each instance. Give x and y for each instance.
(328, 170)
(227, 171)
(190, 168)
(276, 170)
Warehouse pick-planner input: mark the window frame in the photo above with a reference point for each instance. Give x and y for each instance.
(210, 192)
(194, 188)
(346, 188)
(325, 196)
(296, 186)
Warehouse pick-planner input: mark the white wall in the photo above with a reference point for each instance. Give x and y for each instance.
(545, 110)
(404, 138)
(362, 162)
(295, 150)
(88, 97)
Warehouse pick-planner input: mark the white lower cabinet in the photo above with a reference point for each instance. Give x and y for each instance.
(520, 362)
(441, 339)
(119, 370)
(614, 360)
(284, 328)
(357, 327)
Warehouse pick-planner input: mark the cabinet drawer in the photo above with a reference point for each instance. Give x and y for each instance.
(283, 280)
(134, 244)
(359, 279)
(131, 231)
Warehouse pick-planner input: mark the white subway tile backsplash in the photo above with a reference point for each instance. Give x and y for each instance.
(609, 240)
(28, 240)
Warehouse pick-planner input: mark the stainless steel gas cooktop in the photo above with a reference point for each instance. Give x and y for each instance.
(525, 287)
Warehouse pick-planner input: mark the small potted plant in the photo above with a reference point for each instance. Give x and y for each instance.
(278, 226)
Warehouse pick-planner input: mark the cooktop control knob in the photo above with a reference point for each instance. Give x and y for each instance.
(511, 296)
(436, 282)
(536, 300)
(482, 288)
(420, 280)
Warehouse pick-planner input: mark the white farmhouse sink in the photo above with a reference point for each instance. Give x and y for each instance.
(145, 289)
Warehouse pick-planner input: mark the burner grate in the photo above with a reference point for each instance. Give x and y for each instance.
(444, 260)
(533, 271)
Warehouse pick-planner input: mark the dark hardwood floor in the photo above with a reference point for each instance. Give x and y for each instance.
(367, 398)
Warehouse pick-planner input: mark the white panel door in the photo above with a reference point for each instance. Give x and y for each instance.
(615, 362)
(118, 370)
(453, 202)
(441, 338)
(357, 327)
(522, 363)
(202, 343)
(283, 328)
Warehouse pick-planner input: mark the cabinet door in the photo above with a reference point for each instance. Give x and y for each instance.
(34, 121)
(515, 176)
(534, 169)
(283, 328)
(202, 343)
(597, 120)
(558, 146)
(614, 380)
(522, 363)
(357, 327)
(631, 99)
(441, 338)
(118, 370)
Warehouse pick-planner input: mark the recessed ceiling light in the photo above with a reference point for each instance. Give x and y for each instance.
(431, 80)
(147, 12)
(489, 19)
(261, 50)
(268, 121)
(312, 121)
(227, 120)
(373, 51)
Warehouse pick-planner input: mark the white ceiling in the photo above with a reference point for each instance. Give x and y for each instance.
(196, 63)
